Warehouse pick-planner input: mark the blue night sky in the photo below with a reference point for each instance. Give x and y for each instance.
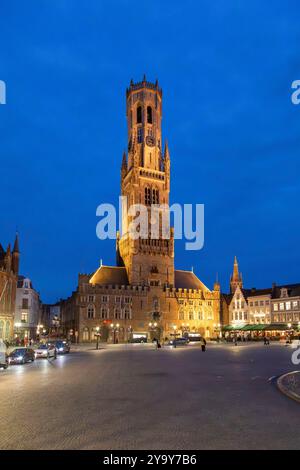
(226, 69)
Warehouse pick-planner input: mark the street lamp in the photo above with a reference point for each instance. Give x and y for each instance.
(97, 335)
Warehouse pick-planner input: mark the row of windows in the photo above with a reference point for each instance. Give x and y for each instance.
(117, 314)
(286, 305)
(106, 298)
(195, 303)
(281, 318)
(194, 316)
(240, 316)
(261, 303)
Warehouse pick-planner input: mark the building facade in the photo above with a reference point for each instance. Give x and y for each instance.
(9, 268)
(28, 309)
(277, 306)
(285, 304)
(144, 294)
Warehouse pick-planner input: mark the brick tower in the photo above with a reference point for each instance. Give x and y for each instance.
(145, 179)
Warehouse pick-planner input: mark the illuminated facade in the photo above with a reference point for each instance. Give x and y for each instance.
(9, 268)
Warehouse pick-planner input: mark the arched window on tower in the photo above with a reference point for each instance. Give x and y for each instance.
(147, 196)
(139, 115)
(149, 114)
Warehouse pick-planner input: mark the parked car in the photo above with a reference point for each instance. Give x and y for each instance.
(139, 339)
(178, 342)
(3, 355)
(62, 346)
(46, 350)
(21, 356)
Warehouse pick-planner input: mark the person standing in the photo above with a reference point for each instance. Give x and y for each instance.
(203, 344)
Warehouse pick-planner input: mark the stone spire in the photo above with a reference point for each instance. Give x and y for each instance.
(16, 256)
(124, 166)
(236, 279)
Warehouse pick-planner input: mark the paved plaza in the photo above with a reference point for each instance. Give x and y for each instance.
(135, 397)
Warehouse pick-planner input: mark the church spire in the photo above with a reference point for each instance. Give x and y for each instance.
(16, 256)
(236, 279)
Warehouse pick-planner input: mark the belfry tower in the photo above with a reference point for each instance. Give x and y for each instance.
(145, 179)
(236, 278)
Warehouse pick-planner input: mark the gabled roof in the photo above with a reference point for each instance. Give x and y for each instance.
(256, 292)
(110, 275)
(188, 280)
(293, 290)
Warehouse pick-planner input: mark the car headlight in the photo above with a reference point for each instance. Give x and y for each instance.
(19, 358)
(61, 349)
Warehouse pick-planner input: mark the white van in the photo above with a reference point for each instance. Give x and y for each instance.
(3, 355)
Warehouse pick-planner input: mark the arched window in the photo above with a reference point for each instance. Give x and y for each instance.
(85, 334)
(1, 328)
(117, 313)
(7, 330)
(149, 114)
(104, 313)
(147, 196)
(139, 114)
(91, 311)
(127, 314)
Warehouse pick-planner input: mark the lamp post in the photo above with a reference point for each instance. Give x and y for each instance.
(97, 335)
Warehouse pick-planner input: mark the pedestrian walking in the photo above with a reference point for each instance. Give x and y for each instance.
(235, 340)
(203, 344)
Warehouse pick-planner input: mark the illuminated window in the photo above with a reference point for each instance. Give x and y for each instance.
(288, 305)
(24, 317)
(295, 303)
(276, 307)
(281, 306)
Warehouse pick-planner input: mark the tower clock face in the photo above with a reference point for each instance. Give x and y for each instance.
(150, 141)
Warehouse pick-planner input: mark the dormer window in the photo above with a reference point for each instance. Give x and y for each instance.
(283, 292)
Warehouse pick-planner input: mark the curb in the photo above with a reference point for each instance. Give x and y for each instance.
(285, 390)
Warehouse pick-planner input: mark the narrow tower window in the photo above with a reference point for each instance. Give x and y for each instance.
(139, 115)
(149, 114)
(140, 135)
(147, 196)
